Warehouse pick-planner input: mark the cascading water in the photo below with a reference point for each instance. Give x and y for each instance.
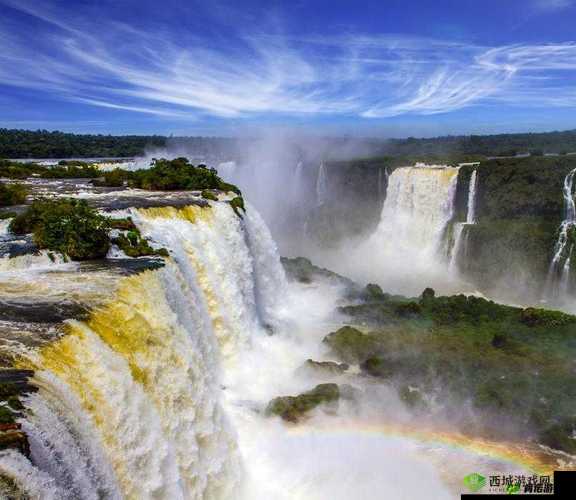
(460, 228)
(321, 185)
(382, 182)
(557, 281)
(471, 214)
(128, 402)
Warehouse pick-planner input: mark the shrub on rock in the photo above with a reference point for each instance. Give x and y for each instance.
(67, 226)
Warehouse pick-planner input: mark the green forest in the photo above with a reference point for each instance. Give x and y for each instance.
(46, 144)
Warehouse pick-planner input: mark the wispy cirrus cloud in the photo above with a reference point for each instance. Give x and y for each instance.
(551, 5)
(253, 73)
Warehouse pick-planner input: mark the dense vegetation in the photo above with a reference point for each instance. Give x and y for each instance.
(74, 229)
(178, 174)
(45, 144)
(512, 367)
(67, 226)
(64, 170)
(487, 145)
(12, 194)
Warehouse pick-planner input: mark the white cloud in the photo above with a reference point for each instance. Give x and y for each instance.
(121, 67)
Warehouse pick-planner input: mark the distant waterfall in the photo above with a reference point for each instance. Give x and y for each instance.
(128, 404)
(321, 185)
(298, 180)
(419, 204)
(460, 236)
(409, 239)
(557, 281)
(382, 182)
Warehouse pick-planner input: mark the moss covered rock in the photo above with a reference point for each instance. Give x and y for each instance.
(294, 408)
(350, 344)
(134, 245)
(378, 367)
(209, 195)
(237, 205)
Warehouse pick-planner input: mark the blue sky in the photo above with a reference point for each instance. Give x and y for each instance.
(378, 68)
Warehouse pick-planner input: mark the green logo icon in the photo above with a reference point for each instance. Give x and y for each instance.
(474, 481)
(512, 489)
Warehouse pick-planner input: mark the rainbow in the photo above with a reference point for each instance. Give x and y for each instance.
(534, 458)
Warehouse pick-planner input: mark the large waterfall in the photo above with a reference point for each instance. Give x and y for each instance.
(558, 280)
(419, 204)
(409, 240)
(128, 403)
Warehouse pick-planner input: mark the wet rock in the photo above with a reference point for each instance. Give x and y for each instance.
(125, 267)
(125, 202)
(15, 440)
(324, 367)
(17, 246)
(42, 312)
(301, 269)
(13, 384)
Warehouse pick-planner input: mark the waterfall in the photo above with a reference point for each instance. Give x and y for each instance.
(461, 234)
(408, 245)
(128, 404)
(321, 185)
(297, 181)
(471, 213)
(382, 182)
(557, 281)
(418, 206)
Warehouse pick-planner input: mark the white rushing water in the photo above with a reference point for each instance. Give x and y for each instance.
(321, 185)
(557, 282)
(461, 234)
(472, 188)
